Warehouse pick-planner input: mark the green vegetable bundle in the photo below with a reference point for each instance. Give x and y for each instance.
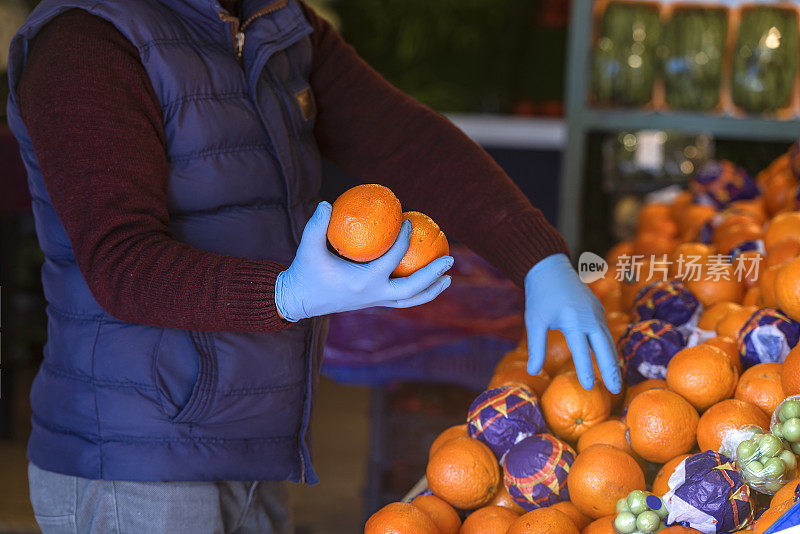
(624, 63)
(693, 53)
(765, 59)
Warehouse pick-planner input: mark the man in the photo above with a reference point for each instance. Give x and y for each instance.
(173, 151)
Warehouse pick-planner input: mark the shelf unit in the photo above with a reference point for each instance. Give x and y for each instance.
(583, 119)
(503, 131)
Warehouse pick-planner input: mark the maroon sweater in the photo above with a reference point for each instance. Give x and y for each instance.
(96, 126)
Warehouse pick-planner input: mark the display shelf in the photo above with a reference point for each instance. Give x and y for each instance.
(505, 131)
(582, 119)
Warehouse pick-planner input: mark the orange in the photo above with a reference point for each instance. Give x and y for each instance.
(787, 288)
(456, 431)
(724, 416)
(517, 372)
(769, 296)
(604, 525)
(612, 301)
(679, 203)
(761, 385)
(544, 521)
(752, 297)
(692, 220)
(730, 347)
(661, 482)
(733, 235)
(653, 210)
(784, 250)
(611, 432)
(617, 330)
(754, 208)
(685, 252)
(623, 248)
(571, 410)
(653, 244)
(703, 375)
(365, 222)
(661, 425)
(504, 499)
(780, 227)
(779, 164)
(578, 518)
(557, 352)
(714, 314)
(400, 517)
(488, 520)
(790, 372)
(618, 318)
(780, 193)
(732, 323)
(600, 476)
(464, 472)
(603, 286)
(442, 514)
(428, 242)
(786, 493)
(650, 383)
(747, 266)
(512, 356)
(709, 290)
(771, 515)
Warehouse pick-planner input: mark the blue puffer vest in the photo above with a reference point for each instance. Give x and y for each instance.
(122, 401)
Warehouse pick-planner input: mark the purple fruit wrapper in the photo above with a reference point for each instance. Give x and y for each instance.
(767, 337)
(535, 471)
(718, 183)
(707, 493)
(501, 417)
(667, 301)
(647, 347)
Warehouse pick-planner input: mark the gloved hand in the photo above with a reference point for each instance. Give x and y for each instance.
(556, 299)
(318, 282)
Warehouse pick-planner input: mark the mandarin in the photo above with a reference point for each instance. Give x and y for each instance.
(489, 520)
(604, 525)
(730, 347)
(365, 222)
(661, 425)
(753, 207)
(781, 193)
(653, 244)
(724, 416)
(703, 375)
(571, 410)
(400, 517)
(512, 356)
(611, 432)
(464, 472)
(685, 253)
(580, 519)
(517, 373)
(650, 383)
(766, 284)
(600, 476)
(442, 514)
(714, 314)
(786, 493)
(661, 482)
(732, 323)
(716, 284)
(761, 385)
(746, 267)
(784, 250)
(679, 203)
(692, 220)
(770, 515)
(456, 431)
(781, 226)
(557, 352)
(543, 521)
(736, 234)
(428, 242)
(787, 288)
(752, 297)
(621, 249)
(790, 372)
(504, 499)
(602, 286)
(612, 301)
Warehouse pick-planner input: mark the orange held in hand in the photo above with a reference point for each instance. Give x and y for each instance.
(464, 472)
(600, 476)
(400, 517)
(365, 222)
(428, 242)
(662, 425)
(571, 410)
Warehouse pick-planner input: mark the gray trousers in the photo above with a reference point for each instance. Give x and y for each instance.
(68, 504)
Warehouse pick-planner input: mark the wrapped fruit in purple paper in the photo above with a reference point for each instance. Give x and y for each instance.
(756, 245)
(535, 471)
(501, 417)
(646, 348)
(707, 493)
(718, 183)
(670, 302)
(767, 337)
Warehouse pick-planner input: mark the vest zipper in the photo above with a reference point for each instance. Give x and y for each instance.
(238, 28)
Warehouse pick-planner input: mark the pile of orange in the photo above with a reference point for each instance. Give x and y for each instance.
(706, 391)
(366, 220)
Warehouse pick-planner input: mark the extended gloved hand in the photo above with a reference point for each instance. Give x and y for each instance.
(318, 282)
(556, 299)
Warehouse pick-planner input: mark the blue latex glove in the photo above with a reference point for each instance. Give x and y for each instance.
(556, 299)
(318, 282)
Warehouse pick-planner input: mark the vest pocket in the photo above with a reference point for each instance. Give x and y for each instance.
(185, 374)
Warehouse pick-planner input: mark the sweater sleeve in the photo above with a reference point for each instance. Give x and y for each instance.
(371, 129)
(96, 127)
